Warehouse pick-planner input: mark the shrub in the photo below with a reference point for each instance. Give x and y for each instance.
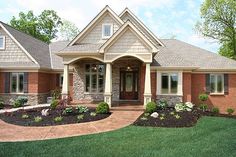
(230, 111)
(203, 107)
(54, 104)
(58, 119)
(93, 114)
(22, 99)
(82, 109)
(25, 116)
(56, 93)
(80, 117)
(162, 104)
(203, 97)
(38, 119)
(151, 107)
(215, 110)
(17, 103)
(1, 104)
(102, 108)
(179, 107)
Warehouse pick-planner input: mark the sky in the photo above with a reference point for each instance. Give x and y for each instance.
(165, 18)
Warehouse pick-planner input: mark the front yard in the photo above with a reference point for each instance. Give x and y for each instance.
(211, 136)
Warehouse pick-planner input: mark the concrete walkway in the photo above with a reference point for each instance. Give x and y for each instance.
(118, 119)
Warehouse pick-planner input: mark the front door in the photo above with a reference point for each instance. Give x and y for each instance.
(129, 85)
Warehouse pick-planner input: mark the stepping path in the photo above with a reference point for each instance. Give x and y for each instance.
(118, 119)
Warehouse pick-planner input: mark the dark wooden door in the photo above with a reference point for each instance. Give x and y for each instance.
(129, 85)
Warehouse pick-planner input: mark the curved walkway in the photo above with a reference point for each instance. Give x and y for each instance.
(116, 120)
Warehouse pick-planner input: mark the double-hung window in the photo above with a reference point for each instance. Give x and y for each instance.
(94, 78)
(217, 83)
(2, 42)
(17, 82)
(169, 83)
(107, 31)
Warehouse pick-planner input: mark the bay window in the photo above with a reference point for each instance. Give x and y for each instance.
(217, 83)
(17, 82)
(94, 78)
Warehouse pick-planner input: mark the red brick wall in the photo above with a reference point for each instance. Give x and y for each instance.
(187, 87)
(33, 82)
(153, 85)
(2, 82)
(221, 101)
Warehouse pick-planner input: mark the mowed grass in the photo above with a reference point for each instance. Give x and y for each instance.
(211, 137)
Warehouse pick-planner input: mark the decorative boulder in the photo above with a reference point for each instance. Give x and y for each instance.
(45, 112)
(154, 115)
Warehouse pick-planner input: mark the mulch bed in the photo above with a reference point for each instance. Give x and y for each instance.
(16, 117)
(187, 119)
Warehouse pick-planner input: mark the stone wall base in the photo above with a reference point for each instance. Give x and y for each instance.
(171, 99)
(33, 99)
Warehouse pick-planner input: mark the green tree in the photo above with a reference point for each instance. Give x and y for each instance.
(68, 30)
(43, 27)
(218, 22)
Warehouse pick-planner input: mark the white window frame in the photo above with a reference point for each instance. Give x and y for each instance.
(4, 42)
(103, 26)
(216, 85)
(17, 82)
(179, 85)
(61, 81)
(90, 79)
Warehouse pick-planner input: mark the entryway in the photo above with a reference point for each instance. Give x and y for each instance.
(129, 78)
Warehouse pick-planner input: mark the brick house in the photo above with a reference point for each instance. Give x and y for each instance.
(114, 58)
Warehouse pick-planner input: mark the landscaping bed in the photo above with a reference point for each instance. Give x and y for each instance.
(58, 116)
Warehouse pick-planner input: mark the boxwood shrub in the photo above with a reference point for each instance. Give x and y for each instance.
(151, 107)
(102, 108)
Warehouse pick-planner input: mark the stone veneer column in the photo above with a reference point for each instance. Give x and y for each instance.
(65, 87)
(108, 84)
(147, 86)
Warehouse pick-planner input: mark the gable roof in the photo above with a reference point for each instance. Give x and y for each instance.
(151, 36)
(91, 24)
(178, 53)
(116, 35)
(35, 49)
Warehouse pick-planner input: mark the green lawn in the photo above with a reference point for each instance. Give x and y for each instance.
(215, 137)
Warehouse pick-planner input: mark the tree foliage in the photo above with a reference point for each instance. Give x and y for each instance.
(68, 30)
(218, 22)
(43, 27)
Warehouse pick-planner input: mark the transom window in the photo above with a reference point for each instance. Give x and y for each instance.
(169, 83)
(2, 42)
(217, 83)
(94, 78)
(17, 82)
(107, 30)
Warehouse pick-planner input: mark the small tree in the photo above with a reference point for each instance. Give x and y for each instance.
(203, 98)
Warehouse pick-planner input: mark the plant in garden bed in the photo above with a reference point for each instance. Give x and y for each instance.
(172, 113)
(38, 119)
(146, 114)
(203, 107)
(93, 114)
(56, 93)
(188, 106)
(230, 111)
(82, 109)
(1, 104)
(25, 116)
(162, 104)
(54, 104)
(177, 116)
(143, 118)
(67, 111)
(80, 117)
(102, 108)
(162, 118)
(58, 119)
(151, 107)
(215, 110)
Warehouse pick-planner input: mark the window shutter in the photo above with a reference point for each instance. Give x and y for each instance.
(208, 87)
(25, 85)
(57, 80)
(7, 82)
(226, 83)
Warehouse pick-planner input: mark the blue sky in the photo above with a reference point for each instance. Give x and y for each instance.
(166, 18)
